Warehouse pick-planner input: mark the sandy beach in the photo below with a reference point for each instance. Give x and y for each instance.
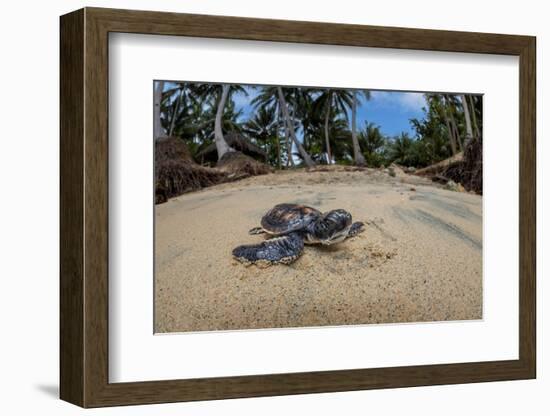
(420, 258)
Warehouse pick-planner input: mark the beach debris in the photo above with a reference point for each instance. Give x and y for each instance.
(453, 186)
(292, 226)
(440, 179)
(240, 165)
(465, 168)
(176, 173)
(236, 141)
(410, 169)
(439, 167)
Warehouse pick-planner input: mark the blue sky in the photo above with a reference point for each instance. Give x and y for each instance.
(390, 110)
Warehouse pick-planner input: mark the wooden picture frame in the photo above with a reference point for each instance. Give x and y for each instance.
(84, 207)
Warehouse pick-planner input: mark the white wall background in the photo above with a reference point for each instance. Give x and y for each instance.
(29, 210)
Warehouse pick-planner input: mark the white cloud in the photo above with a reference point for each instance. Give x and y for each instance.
(403, 100)
(412, 100)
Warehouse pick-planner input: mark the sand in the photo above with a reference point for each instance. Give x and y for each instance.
(420, 258)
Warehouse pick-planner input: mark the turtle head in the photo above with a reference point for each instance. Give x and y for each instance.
(332, 227)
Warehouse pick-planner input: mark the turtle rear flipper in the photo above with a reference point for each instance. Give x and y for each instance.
(285, 250)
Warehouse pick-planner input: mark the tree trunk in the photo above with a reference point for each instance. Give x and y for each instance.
(157, 126)
(457, 132)
(278, 152)
(221, 145)
(305, 156)
(304, 138)
(357, 155)
(289, 143)
(469, 132)
(451, 132)
(288, 147)
(175, 115)
(474, 117)
(278, 139)
(327, 139)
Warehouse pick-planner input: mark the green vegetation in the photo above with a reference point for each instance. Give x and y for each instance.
(307, 126)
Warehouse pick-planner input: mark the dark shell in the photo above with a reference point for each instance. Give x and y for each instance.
(286, 218)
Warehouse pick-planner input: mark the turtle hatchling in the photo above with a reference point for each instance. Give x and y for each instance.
(292, 226)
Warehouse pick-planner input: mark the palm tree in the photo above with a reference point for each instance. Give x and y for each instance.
(341, 143)
(468, 120)
(288, 142)
(333, 100)
(221, 93)
(400, 148)
(291, 129)
(433, 132)
(195, 119)
(175, 97)
(451, 108)
(268, 98)
(221, 145)
(263, 129)
(357, 155)
(274, 97)
(441, 106)
(157, 126)
(472, 100)
(373, 142)
(304, 111)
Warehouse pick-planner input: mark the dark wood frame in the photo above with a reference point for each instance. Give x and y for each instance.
(84, 207)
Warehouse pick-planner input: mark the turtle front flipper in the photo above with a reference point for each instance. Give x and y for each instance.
(356, 228)
(283, 250)
(256, 230)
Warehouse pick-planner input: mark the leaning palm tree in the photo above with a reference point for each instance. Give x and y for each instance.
(174, 103)
(178, 116)
(357, 155)
(329, 101)
(291, 129)
(221, 145)
(275, 97)
(268, 99)
(221, 93)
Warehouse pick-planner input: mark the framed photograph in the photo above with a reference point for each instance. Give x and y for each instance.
(256, 207)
